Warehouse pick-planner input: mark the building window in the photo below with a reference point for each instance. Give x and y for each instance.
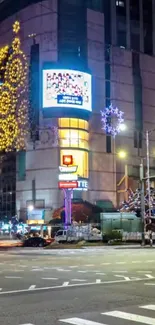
(120, 4)
(96, 5)
(135, 25)
(121, 24)
(80, 159)
(148, 27)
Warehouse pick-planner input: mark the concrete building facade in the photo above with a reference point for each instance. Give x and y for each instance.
(115, 41)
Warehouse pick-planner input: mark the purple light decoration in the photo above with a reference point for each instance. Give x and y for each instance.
(68, 206)
(106, 116)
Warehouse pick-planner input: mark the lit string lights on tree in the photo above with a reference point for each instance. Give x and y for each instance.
(112, 120)
(134, 202)
(13, 95)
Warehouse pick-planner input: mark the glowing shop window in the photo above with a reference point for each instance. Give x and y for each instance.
(64, 122)
(80, 159)
(86, 126)
(73, 123)
(73, 138)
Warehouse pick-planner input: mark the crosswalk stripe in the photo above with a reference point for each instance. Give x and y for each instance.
(131, 317)
(149, 307)
(79, 321)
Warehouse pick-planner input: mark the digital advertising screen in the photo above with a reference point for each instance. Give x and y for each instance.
(67, 88)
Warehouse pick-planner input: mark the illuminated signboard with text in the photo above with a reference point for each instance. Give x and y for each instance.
(67, 89)
(68, 185)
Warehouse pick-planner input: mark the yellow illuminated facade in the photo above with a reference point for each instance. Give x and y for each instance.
(74, 140)
(13, 95)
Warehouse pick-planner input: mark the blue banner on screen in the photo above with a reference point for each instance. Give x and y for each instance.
(75, 100)
(67, 88)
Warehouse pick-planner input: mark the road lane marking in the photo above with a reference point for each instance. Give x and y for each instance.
(78, 280)
(149, 261)
(65, 284)
(49, 278)
(121, 262)
(106, 263)
(98, 273)
(120, 271)
(71, 286)
(13, 277)
(144, 271)
(149, 307)
(82, 271)
(23, 266)
(149, 284)
(63, 270)
(79, 321)
(32, 287)
(98, 281)
(89, 265)
(149, 276)
(131, 317)
(126, 278)
(35, 267)
(73, 266)
(135, 262)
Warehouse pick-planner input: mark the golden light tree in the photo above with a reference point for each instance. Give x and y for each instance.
(13, 95)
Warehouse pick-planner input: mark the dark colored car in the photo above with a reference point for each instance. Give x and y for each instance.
(35, 242)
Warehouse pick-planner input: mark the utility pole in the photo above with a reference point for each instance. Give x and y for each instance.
(142, 201)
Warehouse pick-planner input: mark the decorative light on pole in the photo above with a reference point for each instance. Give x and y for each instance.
(108, 125)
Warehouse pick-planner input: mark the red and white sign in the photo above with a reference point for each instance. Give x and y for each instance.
(68, 185)
(67, 160)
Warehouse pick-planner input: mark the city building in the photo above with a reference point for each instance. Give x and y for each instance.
(112, 42)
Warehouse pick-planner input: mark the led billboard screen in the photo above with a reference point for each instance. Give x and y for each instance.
(67, 88)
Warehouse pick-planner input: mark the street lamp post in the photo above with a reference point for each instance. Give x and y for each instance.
(148, 171)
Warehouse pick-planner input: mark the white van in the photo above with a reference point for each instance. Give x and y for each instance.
(71, 236)
(65, 236)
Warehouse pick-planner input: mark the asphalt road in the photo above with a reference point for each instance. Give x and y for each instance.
(77, 287)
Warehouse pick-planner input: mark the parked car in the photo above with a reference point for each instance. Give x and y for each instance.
(36, 242)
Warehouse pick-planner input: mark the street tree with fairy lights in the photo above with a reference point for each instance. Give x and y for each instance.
(14, 104)
(133, 204)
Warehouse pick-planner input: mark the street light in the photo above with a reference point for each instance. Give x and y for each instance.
(122, 127)
(30, 208)
(122, 154)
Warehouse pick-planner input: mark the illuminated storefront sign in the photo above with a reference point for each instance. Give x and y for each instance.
(68, 185)
(68, 177)
(67, 160)
(82, 185)
(67, 88)
(36, 215)
(68, 169)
